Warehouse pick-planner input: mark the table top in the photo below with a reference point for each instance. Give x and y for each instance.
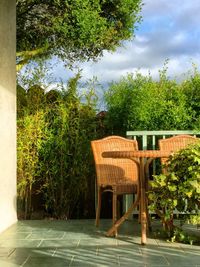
(137, 154)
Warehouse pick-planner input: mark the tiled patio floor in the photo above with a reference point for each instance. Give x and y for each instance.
(79, 243)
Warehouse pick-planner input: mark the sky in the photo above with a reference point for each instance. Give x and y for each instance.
(170, 30)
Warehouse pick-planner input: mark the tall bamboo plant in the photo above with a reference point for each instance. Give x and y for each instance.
(54, 156)
(66, 155)
(31, 135)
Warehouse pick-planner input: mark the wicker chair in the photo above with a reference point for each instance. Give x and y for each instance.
(175, 143)
(119, 176)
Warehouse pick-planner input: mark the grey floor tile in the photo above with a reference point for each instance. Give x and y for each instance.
(46, 262)
(6, 252)
(106, 241)
(66, 252)
(20, 243)
(71, 243)
(46, 235)
(183, 260)
(192, 251)
(9, 261)
(163, 250)
(6, 263)
(13, 236)
(32, 252)
(125, 251)
(187, 247)
(155, 260)
(77, 235)
(78, 243)
(181, 265)
(100, 261)
(128, 261)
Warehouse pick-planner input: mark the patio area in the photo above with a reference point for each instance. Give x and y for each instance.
(79, 243)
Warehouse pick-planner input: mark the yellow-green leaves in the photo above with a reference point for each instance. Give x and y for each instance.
(178, 188)
(54, 157)
(137, 102)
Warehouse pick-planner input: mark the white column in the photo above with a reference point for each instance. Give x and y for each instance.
(7, 113)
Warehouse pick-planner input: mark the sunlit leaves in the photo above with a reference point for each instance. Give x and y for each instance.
(54, 133)
(73, 30)
(138, 102)
(181, 186)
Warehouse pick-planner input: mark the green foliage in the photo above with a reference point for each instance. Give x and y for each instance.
(178, 235)
(54, 156)
(140, 103)
(118, 98)
(73, 30)
(191, 89)
(21, 100)
(66, 157)
(31, 133)
(178, 188)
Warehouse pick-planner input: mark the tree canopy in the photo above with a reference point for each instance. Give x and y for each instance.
(73, 29)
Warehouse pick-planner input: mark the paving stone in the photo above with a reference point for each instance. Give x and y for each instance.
(78, 243)
(46, 262)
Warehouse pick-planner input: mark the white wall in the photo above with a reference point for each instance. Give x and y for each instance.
(7, 114)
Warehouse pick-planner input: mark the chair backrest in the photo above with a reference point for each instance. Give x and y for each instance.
(176, 143)
(114, 171)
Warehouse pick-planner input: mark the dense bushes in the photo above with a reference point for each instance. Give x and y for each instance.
(30, 140)
(54, 157)
(140, 103)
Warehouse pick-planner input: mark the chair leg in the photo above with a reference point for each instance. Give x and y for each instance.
(114, 206)
(98, 207)
(149, 227)
(139, 213)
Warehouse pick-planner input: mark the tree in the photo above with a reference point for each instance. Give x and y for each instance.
(73, 29)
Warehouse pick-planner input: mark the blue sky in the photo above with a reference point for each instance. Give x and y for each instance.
(169, 30)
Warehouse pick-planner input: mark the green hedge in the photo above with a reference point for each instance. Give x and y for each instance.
(54, 155)
(141, 103)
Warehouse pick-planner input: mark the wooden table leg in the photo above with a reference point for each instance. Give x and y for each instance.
(141, 198)
(143, 204)
(114, 228)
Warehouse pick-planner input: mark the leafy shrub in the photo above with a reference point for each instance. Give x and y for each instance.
(178, 189)
(141, 103)
(191, 89)
(119, 100)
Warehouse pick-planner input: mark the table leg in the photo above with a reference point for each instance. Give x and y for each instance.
(114, 228)
(143, 204)
(141, 198)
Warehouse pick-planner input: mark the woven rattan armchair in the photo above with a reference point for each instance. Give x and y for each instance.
(175, 143)
(119, 176)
